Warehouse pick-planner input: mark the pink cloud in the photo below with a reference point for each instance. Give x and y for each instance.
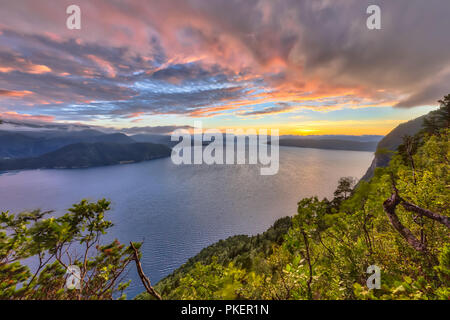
(14, 94)
(20, 116)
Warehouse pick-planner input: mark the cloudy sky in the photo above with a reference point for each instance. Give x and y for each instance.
(305, 67)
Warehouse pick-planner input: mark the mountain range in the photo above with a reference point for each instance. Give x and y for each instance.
(85, 148)
(334, 144)
(25, 144)
(83, 155)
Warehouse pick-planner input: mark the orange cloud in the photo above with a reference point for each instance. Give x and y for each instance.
(25, 66)
(14, 94)
(209, 112)
(21, 116)
(6, 69)
(134, 114)
(38, 69)
(105, 65)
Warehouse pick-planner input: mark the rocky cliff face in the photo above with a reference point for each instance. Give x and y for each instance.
(390, 143)
(380, 160)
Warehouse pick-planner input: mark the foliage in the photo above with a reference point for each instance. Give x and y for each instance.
(343, 190)
(212, 281)
(439, 118)
(54, 243)
(243, 252)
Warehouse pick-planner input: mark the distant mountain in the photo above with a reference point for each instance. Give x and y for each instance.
(154, 138)
(362, 138)
(333, 144)
(390, 143)
(25, 144)
(161, 139)
(394, 138)
(14, 144)
(82, 155)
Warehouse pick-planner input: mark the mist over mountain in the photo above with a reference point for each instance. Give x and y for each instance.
(82, 155)
(154, 138)
(24, 144)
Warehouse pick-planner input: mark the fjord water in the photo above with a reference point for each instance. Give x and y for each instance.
(178, 210)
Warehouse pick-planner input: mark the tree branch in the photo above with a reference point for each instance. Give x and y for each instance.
(389, 207)
(427, 213)
(144, 279)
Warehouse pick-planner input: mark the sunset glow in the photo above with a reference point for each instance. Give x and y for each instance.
(256, 64)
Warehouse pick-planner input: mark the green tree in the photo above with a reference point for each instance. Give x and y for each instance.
(439, 118)
(54, 242)
(443, 114)
(343, 190)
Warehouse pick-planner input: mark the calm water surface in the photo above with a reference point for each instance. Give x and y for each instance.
(178, 210)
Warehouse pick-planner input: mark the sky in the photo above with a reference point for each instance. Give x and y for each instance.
(303, 67)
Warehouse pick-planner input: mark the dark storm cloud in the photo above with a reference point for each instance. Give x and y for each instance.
(329, 40)
(282, 107)
(408, 56)
(189, 72)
